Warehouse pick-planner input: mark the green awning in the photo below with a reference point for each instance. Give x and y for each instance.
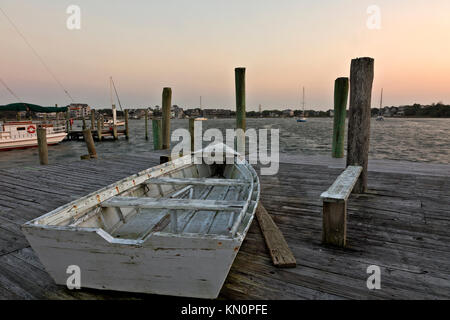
(22, 106)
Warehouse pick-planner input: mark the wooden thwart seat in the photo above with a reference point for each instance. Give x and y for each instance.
(174, 204)
(335, 206)
(198, 181)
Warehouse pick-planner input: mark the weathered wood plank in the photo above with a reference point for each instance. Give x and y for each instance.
(174, 204)
(198, 181)
(343, 185)
(282, 256)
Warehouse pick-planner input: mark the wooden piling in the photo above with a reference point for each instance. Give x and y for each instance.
(114, 114)
(146, 124)
(157, 134)
(42, 145)
(340, 110)
(67, 121)
(192, 132)
(92, 119)
(166, 106)
(127, 131)
(99, 129)
(240, 106)
(240, 98)
(90, 143)
(84, 122)
(361, 79)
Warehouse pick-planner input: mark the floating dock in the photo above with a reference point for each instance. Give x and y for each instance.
(401, 225)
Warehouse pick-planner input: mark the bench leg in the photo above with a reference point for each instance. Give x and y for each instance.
(335, 223)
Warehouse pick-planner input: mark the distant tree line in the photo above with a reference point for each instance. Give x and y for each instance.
(435, 110)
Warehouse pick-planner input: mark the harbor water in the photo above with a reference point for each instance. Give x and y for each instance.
(419, 140)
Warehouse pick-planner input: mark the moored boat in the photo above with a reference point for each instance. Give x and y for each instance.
(174, 229)
(23, 134)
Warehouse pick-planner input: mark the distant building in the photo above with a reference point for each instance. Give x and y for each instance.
(79, 110)
(288, 113)
(177, 112)
(216, 113)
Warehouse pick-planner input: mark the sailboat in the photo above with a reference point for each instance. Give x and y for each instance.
(380, 117)
(302, 118)
(201, 118)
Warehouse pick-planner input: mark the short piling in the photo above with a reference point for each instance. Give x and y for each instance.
(92, 119)
(42, 145)
(146, 124)
(84, 123)
(361, 80)
(166, 106)
(340, 110)
(90, 143)
(127, 131)
(99, 129)
(191, 132)
(67, 121)
(157, 134)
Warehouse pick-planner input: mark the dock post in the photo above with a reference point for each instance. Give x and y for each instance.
(361, 79)
(146, 124)
(127, 131)
(240, 108)
(99, 129)
(114, 114)
(67, 121)
(92, 119)
(84, 122)
(166, 106)
(340, 110)
(192, 132)
(90, 143)
(42, 145)
(157, 134)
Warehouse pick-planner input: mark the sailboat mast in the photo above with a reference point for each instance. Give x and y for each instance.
(303, 101)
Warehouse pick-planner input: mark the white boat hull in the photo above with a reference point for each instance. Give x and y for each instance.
(192, 261)
(28, 142)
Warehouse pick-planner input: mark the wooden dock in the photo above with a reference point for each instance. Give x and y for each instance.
(401, 225)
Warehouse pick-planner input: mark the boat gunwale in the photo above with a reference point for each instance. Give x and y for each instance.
(162, 169)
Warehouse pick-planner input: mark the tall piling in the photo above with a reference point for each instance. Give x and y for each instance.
(90, 143)
(114, 114)
(67, 121)
(127, 130)
(239, 74)
(340, 110)
(42, 145)
(99, 129)
(146, 124)
(166, 106)
(361, 80)
(157, 134)
(192, 132)
(92, 119)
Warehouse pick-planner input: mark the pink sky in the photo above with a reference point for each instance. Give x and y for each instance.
(194, 46)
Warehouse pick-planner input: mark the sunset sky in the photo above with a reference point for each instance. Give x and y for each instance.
(193, 46)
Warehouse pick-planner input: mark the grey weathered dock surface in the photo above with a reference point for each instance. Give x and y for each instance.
(401, 225)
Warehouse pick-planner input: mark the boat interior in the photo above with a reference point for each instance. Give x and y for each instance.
(193, 199)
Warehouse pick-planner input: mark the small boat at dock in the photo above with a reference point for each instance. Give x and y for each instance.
(23, 134)
(174, 229)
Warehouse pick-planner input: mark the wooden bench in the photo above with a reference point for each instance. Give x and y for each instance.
(335, 207)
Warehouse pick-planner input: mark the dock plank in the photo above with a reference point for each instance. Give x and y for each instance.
(401, 225)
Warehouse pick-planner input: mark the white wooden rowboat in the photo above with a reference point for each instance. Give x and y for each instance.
(174, 229)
